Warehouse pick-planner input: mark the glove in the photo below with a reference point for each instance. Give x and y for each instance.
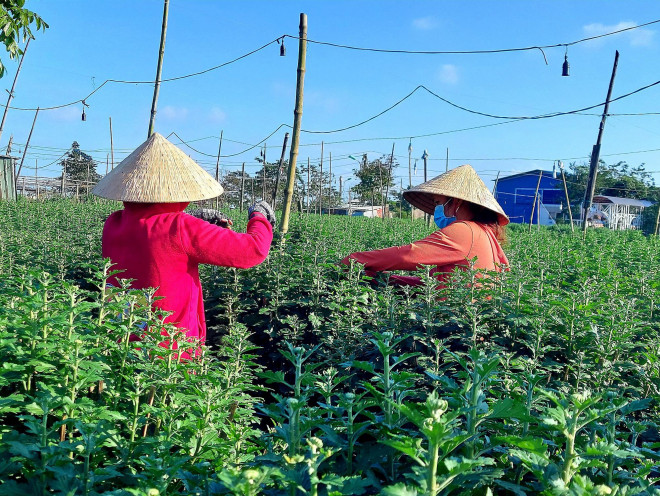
(212, 216)
(265, 209)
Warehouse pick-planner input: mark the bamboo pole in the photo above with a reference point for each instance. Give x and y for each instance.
(263, 181)
(242, 184)
(217, 169)
(497, 178)
(568, 201)
(112, 149)
(11, 92)
(63, 181)
(330, 183)
(159, 67)
(302, 55)
(389, 178)
(401, 201)
(27, 144)
(279, 169)
(321, 182)
(531, 218)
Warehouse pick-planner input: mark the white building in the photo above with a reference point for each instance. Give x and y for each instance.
(619, 213)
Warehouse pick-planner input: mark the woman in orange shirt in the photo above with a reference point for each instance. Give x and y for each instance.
(477, 231)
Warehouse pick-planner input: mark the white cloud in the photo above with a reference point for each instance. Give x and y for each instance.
(425, 23)
(216, 114)
(67, 114)
(448, 73)
(171, 112)
(329, 104)
(636, 37)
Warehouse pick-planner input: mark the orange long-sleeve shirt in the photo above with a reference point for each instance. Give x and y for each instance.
(446, 249)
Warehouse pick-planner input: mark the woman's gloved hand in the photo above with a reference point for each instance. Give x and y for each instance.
(212, 216)
(264, 209)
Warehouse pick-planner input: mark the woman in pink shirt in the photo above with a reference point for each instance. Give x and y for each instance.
(155, 243)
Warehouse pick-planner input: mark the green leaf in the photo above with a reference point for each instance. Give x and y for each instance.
(399, 489)
(532, 444)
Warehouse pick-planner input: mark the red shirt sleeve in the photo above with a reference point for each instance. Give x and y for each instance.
(207, 243)
(450, 245)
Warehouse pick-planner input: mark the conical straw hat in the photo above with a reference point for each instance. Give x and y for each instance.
(158, 172)
(461, 182)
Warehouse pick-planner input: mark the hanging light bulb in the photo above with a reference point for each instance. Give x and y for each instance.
(282, 48)
(565, 66)
(84, 116)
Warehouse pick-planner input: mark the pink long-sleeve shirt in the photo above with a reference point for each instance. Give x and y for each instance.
(159, 245)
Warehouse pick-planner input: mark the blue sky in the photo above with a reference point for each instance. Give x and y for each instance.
(90, 42)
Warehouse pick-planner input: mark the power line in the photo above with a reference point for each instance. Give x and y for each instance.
(466, 52)
(177, 78)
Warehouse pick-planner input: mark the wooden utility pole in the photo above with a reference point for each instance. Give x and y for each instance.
(27, 144)
(595, 152)
(107, 163)
(159, 68)
(297, 118)
(657, 221)
(112, 149)
(568, 201)
(531, 217)
(307, 189)
(36, 180)
(279, 169)
(11, 92)
(217, 169)
(447, 161)
(340, 189)
(242, 184)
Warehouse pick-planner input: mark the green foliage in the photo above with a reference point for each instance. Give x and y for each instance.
(319, 380)
(16, 23)
(79, 166)
(375, 178)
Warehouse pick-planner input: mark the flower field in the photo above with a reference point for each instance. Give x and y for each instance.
(320, 381)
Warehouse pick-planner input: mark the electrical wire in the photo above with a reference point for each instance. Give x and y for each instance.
(177, 78)
(467, 52)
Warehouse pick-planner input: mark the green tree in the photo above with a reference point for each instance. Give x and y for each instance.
(15, 26)
(375, 179)
(79, 166)
(618, 179)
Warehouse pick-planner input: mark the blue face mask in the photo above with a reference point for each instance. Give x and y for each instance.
(439, 217)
